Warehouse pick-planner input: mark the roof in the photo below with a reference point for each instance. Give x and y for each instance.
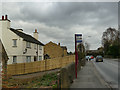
(64, 47)
(5, 20)
(26, 37)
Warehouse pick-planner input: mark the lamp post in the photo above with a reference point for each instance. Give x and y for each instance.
(87, 44)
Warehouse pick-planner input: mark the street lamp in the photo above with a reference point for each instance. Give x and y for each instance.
(87, 46)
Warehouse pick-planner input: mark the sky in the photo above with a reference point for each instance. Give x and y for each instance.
(59, 21)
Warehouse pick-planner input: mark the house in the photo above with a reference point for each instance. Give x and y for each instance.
(53, 50)
(3, 59)
(20, 47)
(64, 50)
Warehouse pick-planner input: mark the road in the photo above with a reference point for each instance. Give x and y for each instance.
(108, 69)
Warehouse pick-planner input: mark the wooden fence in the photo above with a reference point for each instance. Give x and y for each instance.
(49, 64)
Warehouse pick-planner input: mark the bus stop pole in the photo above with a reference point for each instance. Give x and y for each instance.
(75, 57)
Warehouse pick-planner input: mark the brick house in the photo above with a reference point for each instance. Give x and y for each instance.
(64, 50)
(53, 50)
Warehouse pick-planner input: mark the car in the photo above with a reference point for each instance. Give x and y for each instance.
(88, 58)
(91, 57)
(99, 58)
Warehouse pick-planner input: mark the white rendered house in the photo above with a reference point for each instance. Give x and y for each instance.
(20, 47)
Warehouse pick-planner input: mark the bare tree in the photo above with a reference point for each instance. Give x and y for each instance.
(110, 37)
(87, 46)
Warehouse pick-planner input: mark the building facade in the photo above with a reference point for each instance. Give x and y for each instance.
(3, 60)
(52, 50)
(20, 47)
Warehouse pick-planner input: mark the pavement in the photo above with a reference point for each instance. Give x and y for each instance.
(89, 77)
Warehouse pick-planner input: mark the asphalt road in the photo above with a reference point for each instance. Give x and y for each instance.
(108, 69)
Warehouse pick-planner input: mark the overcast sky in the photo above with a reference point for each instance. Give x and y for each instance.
(59, 21)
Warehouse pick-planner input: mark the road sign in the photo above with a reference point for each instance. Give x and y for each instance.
(78, 38)
(79, 41)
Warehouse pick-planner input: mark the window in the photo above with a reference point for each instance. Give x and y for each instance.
(40, 52)
(35, 46)
(40, 47)
(28, 58)
(14, 59)
(28, 44)
(40, 58)
(14, 42)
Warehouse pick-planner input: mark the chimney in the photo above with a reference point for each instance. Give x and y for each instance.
(6, 17)
(35, 34)
(2, 17)
(20, 30)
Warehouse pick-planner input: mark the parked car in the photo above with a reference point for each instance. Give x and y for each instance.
(99, 58)
(92, 58)
(88, 58)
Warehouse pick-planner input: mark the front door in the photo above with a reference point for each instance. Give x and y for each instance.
(35, 58)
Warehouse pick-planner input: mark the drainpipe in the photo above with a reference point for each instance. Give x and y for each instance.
(37, 52)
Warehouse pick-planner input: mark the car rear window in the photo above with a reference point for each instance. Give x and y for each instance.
(99, 56)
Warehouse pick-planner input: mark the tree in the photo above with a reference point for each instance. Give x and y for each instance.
(87, 46)
(110, 42)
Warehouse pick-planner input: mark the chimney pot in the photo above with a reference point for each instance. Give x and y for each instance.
(35, 30)
(5, 17)
(2, 17)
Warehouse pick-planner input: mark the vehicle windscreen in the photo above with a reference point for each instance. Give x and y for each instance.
(99, 56)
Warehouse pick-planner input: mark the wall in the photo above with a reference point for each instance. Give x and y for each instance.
(49, 64)
(67, 74)
(32, 52)
(53, 50)
(3, 60)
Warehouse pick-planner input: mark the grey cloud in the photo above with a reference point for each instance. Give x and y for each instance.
(59, 21)
(67, 14)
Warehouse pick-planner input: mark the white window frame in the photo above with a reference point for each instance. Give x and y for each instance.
(14, 59)
(14, 42)
(40, 47)
(28, 45)
(35, 46)
(40, 58)
(28, 58)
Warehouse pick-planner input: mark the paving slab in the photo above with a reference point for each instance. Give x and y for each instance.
(88, 77)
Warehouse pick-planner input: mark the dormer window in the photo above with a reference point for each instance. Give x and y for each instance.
(14, 42)
(28, 45)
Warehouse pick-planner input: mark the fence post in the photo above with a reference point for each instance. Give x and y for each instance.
(24, 68)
